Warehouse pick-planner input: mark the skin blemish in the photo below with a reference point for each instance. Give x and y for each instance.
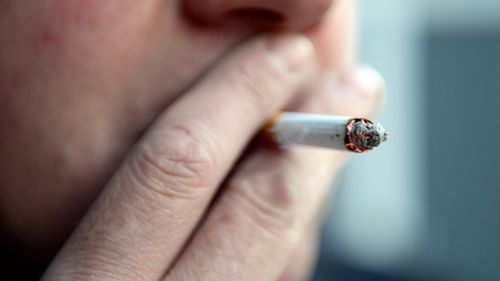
(67, 23)
(62, 20)
(77, 11)
(49, 38)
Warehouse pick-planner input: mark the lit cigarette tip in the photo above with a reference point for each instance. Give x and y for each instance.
(362, 135)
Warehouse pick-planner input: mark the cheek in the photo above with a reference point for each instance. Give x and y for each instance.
(64, 69)
(334, 37)
(82, 79)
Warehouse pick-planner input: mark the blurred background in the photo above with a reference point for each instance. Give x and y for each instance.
(426, 206)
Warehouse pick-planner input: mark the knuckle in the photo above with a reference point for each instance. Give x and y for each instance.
(174, 165)
(271, 201)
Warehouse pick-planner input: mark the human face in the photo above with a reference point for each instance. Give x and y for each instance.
(80, 80)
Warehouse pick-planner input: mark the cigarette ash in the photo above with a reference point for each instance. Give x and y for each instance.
(363, 135)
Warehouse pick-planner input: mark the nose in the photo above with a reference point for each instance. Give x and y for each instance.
(288, 14)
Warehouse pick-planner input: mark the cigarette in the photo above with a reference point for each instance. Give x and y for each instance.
(326, 131)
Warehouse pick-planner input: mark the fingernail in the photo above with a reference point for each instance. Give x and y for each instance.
(367, 80)
(290, 51)
(367, 87)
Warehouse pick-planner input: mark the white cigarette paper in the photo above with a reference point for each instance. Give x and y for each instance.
(333, 132)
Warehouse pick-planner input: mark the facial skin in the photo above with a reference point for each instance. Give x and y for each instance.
(82, 80)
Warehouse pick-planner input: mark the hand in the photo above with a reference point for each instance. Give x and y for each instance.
(81, 81)
(154, 220)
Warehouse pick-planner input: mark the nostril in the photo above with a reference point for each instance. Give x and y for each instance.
(288, 15)
(255, 14)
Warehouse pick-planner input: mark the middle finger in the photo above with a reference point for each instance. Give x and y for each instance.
(268, 204)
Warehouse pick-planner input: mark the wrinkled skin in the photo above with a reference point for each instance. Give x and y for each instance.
(81, 80)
